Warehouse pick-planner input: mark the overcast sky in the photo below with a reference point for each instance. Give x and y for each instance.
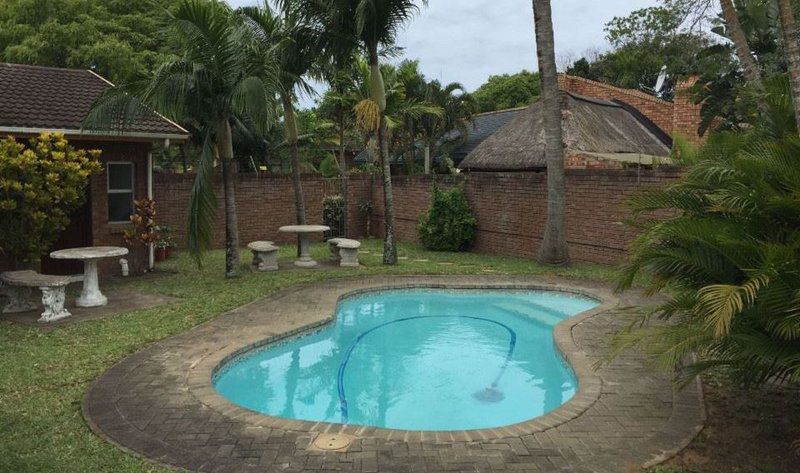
(468, 40)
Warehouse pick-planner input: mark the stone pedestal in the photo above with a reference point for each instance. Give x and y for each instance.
(265, 255)
(20, 299)
(333, 246)
(348, 250)
(91, 295)
(53, 301)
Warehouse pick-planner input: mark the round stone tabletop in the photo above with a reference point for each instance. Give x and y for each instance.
(89, 252)
(304, 229)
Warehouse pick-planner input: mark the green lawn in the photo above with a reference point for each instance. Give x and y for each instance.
(44, 373)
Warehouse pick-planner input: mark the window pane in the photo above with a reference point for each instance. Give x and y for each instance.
(120, 207)
(120, 176)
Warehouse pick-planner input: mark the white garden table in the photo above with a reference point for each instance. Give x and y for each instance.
(90, 295)
(304, 233)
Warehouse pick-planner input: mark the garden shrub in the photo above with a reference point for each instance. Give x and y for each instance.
(728, 260)
(41, 184)
(449, 224)
(333, 215)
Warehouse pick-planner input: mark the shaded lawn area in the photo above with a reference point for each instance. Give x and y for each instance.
(44, 373)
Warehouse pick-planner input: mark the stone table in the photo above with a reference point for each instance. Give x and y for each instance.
(90, 295)
(304, 233)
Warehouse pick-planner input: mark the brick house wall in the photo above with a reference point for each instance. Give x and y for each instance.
(511, 210)
(686, 115)
(105, 233)
(679, 117)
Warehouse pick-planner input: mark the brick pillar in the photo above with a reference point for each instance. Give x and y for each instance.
(686, 114)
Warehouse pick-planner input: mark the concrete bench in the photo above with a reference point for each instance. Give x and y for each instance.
(333, 246)
(18, 287)
(265, 255)
(348, 252)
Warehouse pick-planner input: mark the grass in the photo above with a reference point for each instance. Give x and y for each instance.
(44, 373)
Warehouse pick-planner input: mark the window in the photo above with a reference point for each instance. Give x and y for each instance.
(120, 192)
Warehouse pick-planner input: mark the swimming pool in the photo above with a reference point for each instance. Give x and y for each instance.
(416, 359)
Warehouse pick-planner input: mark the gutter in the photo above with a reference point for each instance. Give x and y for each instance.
(11, 130)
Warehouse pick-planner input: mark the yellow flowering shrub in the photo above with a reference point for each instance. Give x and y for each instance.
(41, 184)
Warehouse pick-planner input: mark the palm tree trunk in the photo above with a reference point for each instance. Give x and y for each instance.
(290, 125)
(378, 93)
(792, 51)
(752, 73)
(554, 241)
(344, 177)
(225, 151)
(389, 244)
(427, 158)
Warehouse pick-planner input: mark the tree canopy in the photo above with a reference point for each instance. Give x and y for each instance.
(508, 91)
(118, 38)
(643, 42)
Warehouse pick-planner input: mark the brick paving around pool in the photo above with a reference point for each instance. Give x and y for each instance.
(160, 403)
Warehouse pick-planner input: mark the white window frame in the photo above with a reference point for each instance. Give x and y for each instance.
(131, 191)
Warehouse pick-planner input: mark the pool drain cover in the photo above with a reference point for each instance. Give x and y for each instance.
(332, 442)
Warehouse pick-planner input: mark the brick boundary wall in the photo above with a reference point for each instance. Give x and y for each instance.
(264, 204)
(510, 207)
(511, 210)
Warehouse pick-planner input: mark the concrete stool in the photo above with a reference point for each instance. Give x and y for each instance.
(265, 255)
(348, 250)
(333, 245)
(19, 287)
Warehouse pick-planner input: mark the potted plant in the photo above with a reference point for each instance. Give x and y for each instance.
(167, 240)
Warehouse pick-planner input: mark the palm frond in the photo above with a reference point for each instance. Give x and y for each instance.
(202, 204)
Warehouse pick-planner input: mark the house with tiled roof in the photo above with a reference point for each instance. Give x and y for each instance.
(37, 99)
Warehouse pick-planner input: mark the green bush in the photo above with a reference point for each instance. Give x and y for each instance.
(41, 184)
(449, 224)
(728, 260)
(333, 215)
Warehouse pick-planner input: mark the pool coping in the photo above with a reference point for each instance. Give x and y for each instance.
(200, 375)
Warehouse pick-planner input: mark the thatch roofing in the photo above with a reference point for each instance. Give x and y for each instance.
(591, 126)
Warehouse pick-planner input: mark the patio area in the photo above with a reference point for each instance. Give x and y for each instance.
(47, 372)
(160, 403)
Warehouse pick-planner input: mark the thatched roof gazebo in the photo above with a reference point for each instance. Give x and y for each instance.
(594, 128)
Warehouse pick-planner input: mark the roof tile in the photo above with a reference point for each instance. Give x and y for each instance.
(52, 98)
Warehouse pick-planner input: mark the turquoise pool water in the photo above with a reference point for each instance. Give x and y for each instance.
(417, 360)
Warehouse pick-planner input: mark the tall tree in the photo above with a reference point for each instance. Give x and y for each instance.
(554, 241)
(752, 73)
(792, 51)
(297, 44)
(458, 109)
(377, 24)
(212, 81)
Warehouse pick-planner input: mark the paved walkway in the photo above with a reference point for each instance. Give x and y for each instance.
(159, 403)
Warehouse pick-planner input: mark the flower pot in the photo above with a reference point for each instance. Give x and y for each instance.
(169, 250)
(161, 254)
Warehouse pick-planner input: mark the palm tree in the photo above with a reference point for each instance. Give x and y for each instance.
(458, 109)
(212, 82)
(377, 24)
(728, 255)
(336, 65)
(791, 47)
(554, 242)
(296, 43)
